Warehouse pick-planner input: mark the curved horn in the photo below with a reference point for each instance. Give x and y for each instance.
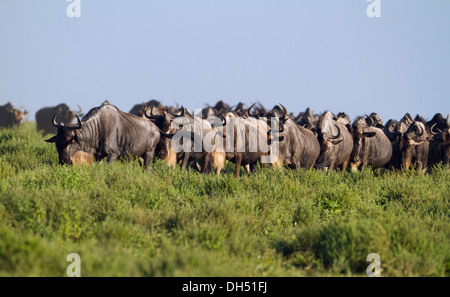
(338, 135)
(284, 110)
(432, 128)
(151, 116)
(391, 128)
(224, 121)
(79, 125)
(250, 109)
(80, 110)
(421, 133)
(371, 121)
(57, 125)
(166, 134)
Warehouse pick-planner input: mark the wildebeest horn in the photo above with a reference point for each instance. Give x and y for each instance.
(371, 121)
(250, 109)
(432, 128)
(57, 125)
(421, 133)
(391, 128)
(166, 134)
(151, 116)
(284, 110)
(80, 110)
(338, 135)
(224, 121)
(79, 125)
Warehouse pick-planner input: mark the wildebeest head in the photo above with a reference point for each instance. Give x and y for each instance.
(168, 122)
(18, 115)
(10, 116)
(308, 120)
(325, 131)
(66, 140)
(416, 133)
(375, 120)
(360, 130)
(414, 145)
(66, 114)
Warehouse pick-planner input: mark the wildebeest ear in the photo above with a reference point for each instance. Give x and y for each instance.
(369, 134)
(51, 140)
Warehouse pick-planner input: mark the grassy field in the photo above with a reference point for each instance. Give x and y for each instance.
(126, 222)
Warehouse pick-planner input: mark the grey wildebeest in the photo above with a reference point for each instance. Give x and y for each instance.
(298, 147)
(336, 143)
(307, 119)
(414, 146)
(11, 117)
(440, 149)
(246, 141)
(139, 109)
(370, 145)
(45, 115)
(106, 131)
(394, 131)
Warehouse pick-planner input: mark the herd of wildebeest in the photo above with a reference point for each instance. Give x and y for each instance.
(209, 137)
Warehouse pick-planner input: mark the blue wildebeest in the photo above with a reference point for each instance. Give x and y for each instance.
(106, 131)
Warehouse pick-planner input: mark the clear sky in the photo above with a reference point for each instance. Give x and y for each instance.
(323, 54)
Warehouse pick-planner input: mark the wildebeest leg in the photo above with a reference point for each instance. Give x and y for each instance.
(185, 161)
(147, 158)
(247, 168)
(345, 164)
(238, 164)
(205, 162)
(218, 169)
(331, 167)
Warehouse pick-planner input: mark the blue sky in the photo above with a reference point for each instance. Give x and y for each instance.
(323, 54)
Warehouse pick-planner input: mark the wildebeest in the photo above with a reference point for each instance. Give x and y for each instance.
(11, 117)
(440, 149)
(139, 109)
(298, 147)
(45, 115)
(374, 120)
(336, 143)
(414, 146)
(189, 144)
(106, 131)
(308, 119)
(246, 141)
(394, 131)
(370, 145)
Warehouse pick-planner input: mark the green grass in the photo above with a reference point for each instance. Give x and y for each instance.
(123, 221)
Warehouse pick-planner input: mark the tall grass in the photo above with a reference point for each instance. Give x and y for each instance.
(123, 221)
